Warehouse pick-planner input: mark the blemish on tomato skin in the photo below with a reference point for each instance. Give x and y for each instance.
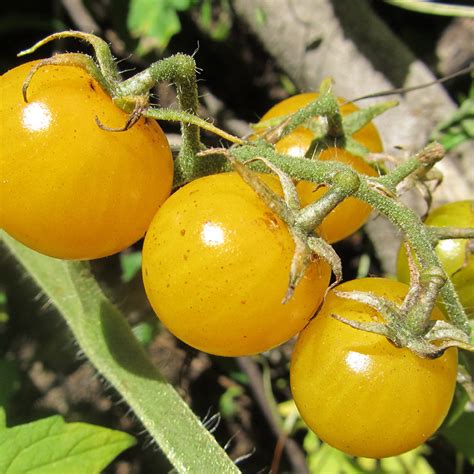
(91, 85)
(182, 232)
(271, 221)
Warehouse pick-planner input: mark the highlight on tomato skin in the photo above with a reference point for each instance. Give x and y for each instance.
(357, 391)
(216, 263)
(70, 189)
(351, 214)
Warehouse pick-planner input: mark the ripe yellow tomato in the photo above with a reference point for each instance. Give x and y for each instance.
(352, 213)
(216, 263)
(357, 391)
(69, 189)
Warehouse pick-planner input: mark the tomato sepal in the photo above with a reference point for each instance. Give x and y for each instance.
(107, 64)
(429, 340)
(300, 221)
(354, 121)
(80, 60)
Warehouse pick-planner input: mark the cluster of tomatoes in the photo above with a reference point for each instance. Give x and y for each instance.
(216, 260)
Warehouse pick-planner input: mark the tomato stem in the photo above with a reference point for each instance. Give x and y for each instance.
(107, 64)
(449, 232)
(174, 115)
(418, 166)
(420, 240)
(179, 69)
(344, 183)
(374, 191)
(69, 59)
(325, 105)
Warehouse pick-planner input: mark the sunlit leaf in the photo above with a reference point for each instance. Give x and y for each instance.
(52, 446)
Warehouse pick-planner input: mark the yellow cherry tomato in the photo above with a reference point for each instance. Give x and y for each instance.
(68, 188)
(357, 391)
(352, 213)
(216, 263)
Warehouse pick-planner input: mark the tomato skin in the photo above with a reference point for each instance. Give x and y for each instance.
(69, 189)
(216, 263)
(352, 213)
(358, 392)
(452, 253)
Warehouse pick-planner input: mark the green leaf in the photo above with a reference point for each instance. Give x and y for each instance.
(412, 461)
(3, 419)
(206, 14)
(458, 405)
(452, 140)
(227, 404)
(458, 128)
(130, 264)
(106, 339)
(260, 16)
(52, 446)
(434, 8)
(217, 28)
(144, 332)
(288, 85)
(468, 127)
(328, 459)
(9, 380)
(460, 433)
(311, 443)
(355, 148)
(239, 377)
(155, 22)
(3, 307)
(324, 458)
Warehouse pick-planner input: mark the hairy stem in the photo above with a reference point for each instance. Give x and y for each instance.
(421, 162)
(406, 220)
(420, 240)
